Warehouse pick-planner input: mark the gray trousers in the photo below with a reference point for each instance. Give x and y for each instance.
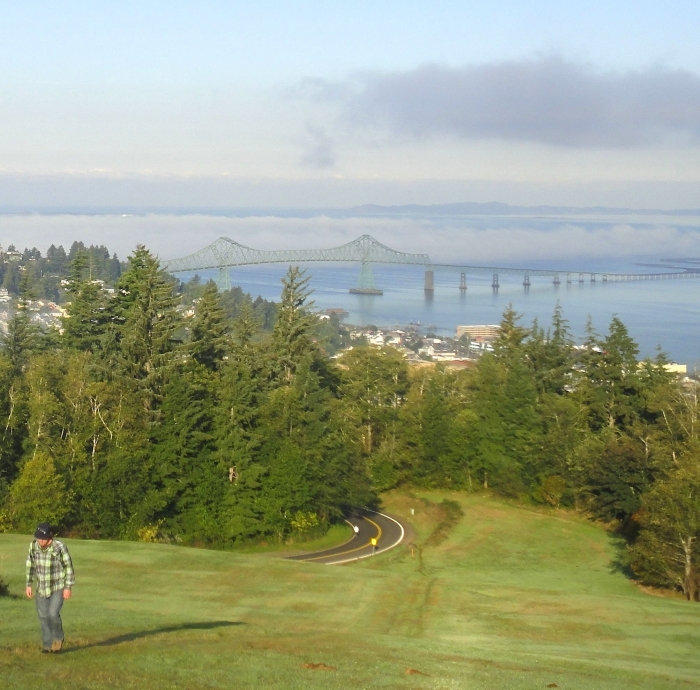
(49, 611)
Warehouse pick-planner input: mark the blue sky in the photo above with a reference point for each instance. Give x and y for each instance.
(324, 104)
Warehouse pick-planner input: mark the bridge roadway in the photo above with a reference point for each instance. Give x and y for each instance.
(388, 531)
(225, 253)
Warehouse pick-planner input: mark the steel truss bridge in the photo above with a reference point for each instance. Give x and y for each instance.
(225, 253)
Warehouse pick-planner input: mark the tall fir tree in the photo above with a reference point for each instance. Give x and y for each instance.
(144, 321)
(22, 336)
(86, 317)
(209, 339)
(292, 334)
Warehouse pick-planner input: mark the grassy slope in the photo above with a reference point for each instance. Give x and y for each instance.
(511, 599)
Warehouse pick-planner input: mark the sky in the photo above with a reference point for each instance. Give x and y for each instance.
(325, 105)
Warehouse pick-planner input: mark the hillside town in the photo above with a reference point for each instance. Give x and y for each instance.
(469, 343)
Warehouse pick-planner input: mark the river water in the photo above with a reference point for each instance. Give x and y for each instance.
(658, 312)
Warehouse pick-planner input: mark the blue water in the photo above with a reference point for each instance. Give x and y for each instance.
(663, 312)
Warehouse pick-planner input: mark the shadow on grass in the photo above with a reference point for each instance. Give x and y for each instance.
(130, 637)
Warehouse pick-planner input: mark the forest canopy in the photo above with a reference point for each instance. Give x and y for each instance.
(227, 421)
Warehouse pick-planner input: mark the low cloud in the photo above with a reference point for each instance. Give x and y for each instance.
(545, 100)
(484, 241)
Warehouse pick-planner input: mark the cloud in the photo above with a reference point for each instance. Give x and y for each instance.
(471, 241)
(546, 100)
(320, 152)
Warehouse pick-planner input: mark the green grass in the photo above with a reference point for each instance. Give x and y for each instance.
(337, 534)
(511, 598)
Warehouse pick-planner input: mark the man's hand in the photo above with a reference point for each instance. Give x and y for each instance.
(28, 592)
(66, 593)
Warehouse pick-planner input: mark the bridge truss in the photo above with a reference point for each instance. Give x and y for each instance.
(225, 253)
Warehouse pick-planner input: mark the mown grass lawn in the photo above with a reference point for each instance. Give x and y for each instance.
(509, 598)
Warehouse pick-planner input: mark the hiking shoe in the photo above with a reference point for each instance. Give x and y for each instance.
(46, 651)
(56, 646)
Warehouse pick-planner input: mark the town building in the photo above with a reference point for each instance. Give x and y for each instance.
(482, 332)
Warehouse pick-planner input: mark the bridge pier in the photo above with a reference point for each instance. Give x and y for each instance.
(429, 281)
(556, 281)
(462, 282)
(223, 282)
(592, 277)
(580, 277)
(568, 278)
(526, 282)
(494, 285)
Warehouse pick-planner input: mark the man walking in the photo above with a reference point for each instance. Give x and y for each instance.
(50, 562)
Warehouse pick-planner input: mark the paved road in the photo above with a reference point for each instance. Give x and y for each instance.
(371, 525)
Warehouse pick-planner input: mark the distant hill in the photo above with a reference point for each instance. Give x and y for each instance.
(496, 208)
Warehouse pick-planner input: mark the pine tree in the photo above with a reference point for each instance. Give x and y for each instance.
(22, 337)
(144, 321)
(13, 423)
(291, 337)
(237, 443)
(39, 495)
(509, 344)
(183, 448)
(209, 341)
(87, 316)
(610, 383)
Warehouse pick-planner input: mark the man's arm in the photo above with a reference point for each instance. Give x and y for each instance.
(69, 572)
(31, 571)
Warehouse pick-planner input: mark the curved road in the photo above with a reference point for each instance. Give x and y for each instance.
(371, 525)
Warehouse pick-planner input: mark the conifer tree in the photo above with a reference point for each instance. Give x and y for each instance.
(39, 494)
(144, 322)
(13, 423)
(22, 337)
(209, 341)
(291, 337)
(87, 315)
(374, 381)
(184, 445)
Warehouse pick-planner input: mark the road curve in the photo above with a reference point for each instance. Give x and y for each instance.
(388, 532)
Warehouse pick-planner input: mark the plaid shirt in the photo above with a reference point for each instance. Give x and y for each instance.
(52, 567)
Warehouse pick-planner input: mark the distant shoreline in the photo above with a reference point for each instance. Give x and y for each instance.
(365, 210)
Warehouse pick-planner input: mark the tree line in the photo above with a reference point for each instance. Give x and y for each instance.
(43, 274)
(138, 423)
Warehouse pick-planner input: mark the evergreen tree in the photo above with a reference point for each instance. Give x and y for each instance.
(291, 337)
(144, 322)
(209, 341)
(375, 381)
(183, 447)
(509, 344)
(87, 315)
(237, 444)
(22, 337)
(442, 460)
(13, 423)
(38, 495)
(610, 381)
(507, 433)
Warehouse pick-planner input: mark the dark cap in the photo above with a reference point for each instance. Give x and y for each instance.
(43, 531)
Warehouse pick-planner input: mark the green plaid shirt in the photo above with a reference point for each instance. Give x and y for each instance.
(51, 566)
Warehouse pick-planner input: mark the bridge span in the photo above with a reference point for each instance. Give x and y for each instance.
(225, 253)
